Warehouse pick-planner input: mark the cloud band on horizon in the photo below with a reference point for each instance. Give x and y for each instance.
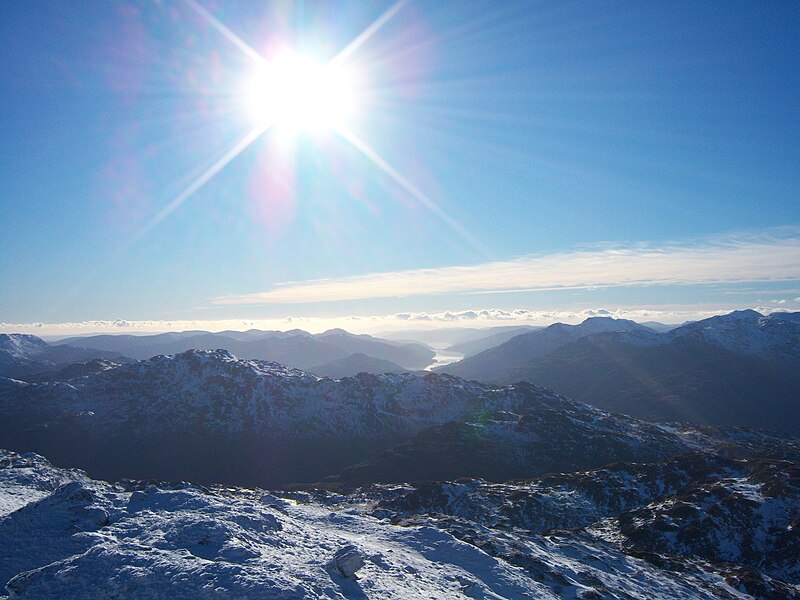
(734, 259)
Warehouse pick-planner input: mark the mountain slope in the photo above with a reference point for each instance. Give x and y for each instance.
(211, 417)
(682, 380)
(490, 340)
(521, 349)
(354, 364)
(24, 355)
(772, 337)
(737, 369)
(408, 355)
(554, 434)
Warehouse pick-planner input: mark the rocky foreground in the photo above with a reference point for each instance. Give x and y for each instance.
(695, 526)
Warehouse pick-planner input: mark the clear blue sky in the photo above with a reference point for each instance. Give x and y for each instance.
(543, 131)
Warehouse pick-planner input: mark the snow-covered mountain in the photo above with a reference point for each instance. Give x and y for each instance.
(448, 488)
(773, 337)
(212, 417)
(611, 533)
(573, 499)
(20, 345)
(23, 355)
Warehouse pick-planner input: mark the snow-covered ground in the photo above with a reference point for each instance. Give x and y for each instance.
(72, 537)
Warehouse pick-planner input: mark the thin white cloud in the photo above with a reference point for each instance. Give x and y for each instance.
(393, 322)
(493, 316)
(752, 258)
(754, 291)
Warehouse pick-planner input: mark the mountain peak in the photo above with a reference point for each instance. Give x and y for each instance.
(791, 317)
(334, 331)
(296, 331)
(217, 354)
(22, 344)
(602, 324)
(747, 314)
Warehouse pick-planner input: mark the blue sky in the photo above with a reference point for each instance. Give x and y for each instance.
(535, 156)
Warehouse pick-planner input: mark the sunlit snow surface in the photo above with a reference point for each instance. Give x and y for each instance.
(66, 536)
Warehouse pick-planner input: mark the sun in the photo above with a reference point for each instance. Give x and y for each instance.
(293, 92)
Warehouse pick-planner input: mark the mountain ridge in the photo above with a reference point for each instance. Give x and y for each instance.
(740, 368)
(296, 347)
(210, 413)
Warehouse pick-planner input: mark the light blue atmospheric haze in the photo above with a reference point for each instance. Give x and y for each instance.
(537, 129)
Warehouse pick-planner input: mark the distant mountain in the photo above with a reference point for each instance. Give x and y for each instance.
(736, 369)
(494, 337)
(211, 417)
(295, 348)
(439, 336)
(24, 355)
(300, 350)
(658, 327)
(519, 350)
(776, 336)
(354, 364)
(141, 346)
(449, 337)
(410, 356)
(684, 380)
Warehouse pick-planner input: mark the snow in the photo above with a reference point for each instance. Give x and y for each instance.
(747, 332)
(25, 478)
(225, 394)
(190, 543)
(21, 346)
(90, 539)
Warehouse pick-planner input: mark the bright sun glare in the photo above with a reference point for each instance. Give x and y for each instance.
(294, 92)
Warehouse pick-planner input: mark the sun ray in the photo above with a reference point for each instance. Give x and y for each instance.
(345, 53)
(252, 135)
(343, 131)
(409, 187)
(232, 37)
(207, 175)
(198, 183)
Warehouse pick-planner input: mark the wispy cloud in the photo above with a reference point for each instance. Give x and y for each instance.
(733, 259)
(487, 317)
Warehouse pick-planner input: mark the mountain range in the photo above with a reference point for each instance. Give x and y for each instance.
(737, 369)
(209, 416)
(334, 353)
(494, 337)
(24, 355)
(296, 347)
(393, 485)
